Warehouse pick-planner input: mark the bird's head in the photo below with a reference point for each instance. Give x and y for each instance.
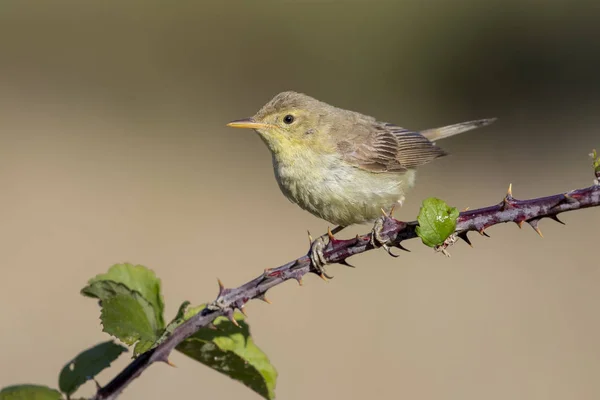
(292, 122)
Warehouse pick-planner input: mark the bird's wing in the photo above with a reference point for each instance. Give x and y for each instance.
(387, 148)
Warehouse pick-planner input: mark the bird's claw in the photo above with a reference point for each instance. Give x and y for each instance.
(376, 239)
(317, 258)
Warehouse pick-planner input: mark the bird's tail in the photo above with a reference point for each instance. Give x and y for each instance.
(451, 130)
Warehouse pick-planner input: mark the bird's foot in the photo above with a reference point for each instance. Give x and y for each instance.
(378, 239)
(317, 258)
(317, 247)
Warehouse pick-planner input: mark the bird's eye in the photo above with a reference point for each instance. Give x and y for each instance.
(288, 119)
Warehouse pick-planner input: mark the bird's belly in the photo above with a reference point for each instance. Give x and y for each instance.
(342, 194)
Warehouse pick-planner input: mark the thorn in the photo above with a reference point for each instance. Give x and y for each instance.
(233, 321)
(389, 250)
(331, 237)
(506, 201)
(212, 326)
(98, 387)
(466, 209)
(324, 277)
(264, 298)
(402, 248)
(392, 209)
(221, 286)
(300, 283)
(165, 359)
(242, 311)
(520, 224)
(344, 262)
(482, 233)
(463, 236)
(534, 225)
(555, 217)
(384, 213)
(310, 239)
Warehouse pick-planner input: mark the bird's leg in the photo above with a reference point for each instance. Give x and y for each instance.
(317, 246)
(376, 239)
(317, 258)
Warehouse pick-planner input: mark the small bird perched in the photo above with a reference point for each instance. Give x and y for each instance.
(340, 165)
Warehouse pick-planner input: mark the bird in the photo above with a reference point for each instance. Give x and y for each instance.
(340, 165)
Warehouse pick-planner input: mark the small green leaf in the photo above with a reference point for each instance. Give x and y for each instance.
(130, 318)
(142, 347)
(596, 161)
(87, 365)
(178, 320)
(29, 392)
(104, 290)
(191, 311)
(437, 221)
(139, 279)
(132, 304)
(231, 351)
(125, 314)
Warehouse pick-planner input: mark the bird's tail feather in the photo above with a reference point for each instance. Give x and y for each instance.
(451, 130)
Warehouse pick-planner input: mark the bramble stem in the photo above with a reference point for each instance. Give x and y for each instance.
(337, 251)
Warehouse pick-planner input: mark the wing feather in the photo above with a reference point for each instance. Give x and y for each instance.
(378, 147)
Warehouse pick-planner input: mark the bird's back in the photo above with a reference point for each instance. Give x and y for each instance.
(381, 147)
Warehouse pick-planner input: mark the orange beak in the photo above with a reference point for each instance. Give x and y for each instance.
(248, 123)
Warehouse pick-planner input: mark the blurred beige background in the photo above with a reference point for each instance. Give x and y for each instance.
(114, 148)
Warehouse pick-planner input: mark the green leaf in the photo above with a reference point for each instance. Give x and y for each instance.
(125, 314)
(139, 279)
(29, 392)
(178, 320)
(87, 365)
(183, 314)
(231, 351)
(104, 290)
(130, 318)
(142, 347)
(596, 161)
(132, 304)
(437, 221)
(189, 312)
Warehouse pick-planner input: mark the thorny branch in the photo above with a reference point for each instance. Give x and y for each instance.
(337, 251)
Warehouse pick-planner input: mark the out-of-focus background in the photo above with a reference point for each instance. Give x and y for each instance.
(113, 148)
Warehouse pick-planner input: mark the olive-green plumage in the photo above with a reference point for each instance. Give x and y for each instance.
(340, 165)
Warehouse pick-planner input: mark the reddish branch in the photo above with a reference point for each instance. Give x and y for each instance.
(508, 210)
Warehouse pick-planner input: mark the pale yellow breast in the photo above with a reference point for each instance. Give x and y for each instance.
(337, 192)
